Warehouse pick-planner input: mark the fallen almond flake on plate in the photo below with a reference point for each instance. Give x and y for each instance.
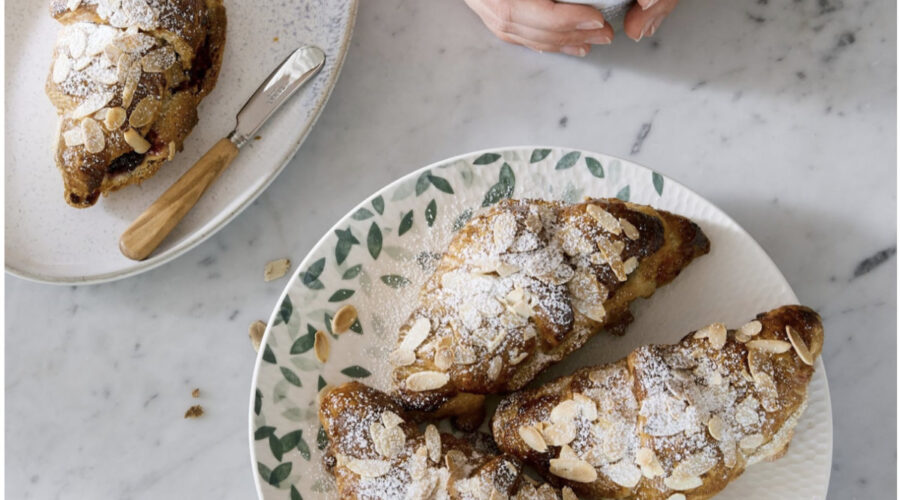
(276, 269)
(195, 393)
(195, 411)
(257, 329)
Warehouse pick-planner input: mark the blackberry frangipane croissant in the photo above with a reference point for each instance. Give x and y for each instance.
(126, 79)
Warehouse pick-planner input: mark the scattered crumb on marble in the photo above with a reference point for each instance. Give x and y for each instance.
(195, 393)
(195, 411)
(276, 269)
(257, 329)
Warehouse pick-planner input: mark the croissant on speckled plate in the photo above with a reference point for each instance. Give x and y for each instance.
(376, 451)
(524, 284)
(126, 79)
(670, 421)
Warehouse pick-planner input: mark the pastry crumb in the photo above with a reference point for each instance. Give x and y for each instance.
(195, 393)
(257, 329)
(195, 411)
(275, 39)
(276, 269)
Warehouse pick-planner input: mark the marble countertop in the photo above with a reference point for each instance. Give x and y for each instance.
(780, 112)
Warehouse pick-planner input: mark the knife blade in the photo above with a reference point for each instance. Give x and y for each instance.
(146, 233)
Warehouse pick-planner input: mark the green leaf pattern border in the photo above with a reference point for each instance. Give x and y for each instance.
(367, 254)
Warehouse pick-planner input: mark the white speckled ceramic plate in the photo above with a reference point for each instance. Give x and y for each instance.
(373, 259)
(46, 240)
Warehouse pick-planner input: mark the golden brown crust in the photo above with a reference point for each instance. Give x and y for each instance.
(527, 282)
(376, 451)
(189, 35)
(702, 413)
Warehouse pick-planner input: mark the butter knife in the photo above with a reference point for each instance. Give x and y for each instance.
(145, 234)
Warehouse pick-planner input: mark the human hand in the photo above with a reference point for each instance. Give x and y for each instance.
(548, 26)
(644, 18)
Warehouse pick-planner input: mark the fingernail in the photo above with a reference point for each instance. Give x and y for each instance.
(599, 40)
(574, 51)
(650, 27)
(590, 25)
(651, 3)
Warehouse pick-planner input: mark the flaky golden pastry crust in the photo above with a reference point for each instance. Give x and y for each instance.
(126, 79)
(674, 419)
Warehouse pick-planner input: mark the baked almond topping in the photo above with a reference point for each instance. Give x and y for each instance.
(559, 434)
(321, 346)
(568, 494)
(144, 113)
(426, 381)
(606, 220)
(683, 483)
(73, 137)
(649, 463)
(769, 345)
(416, 334)
(138, 143)
(433, 443)
(368, 468)
(628, 228)
(717, 334)
(494, 368)
(343, 319)
(532, 438)
(752, 442)
(94, 140)
(630, 264)
(750, 329)
(715, 426)
(800, 346)
(402, 357)
(573, 469)
(443, 358)
(114, 118)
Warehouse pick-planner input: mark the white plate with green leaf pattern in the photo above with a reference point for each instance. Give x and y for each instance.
(376, 258)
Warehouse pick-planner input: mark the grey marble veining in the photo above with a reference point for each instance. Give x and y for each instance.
(779, 111)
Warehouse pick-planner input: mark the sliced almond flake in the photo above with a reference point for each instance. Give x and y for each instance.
(618, 247)
(494, 368)
(568, 494)
(504, 230)
(717, 334)
(132, 78)
(94, 140)
(158, 60)
(391, 441)
(573, 470)
(140, 14)
(682, 483)
(529, 333)
(611, 256)
(504, 269)
(496, 340)
(77, 41)
(321, 346)
(649, 463)
(401, 357)
(416, 334)
(113, 54)
(677, 496)
(630, 264)
(565, 411)
(695, 465)
(591, 309)
(716, 427)
(81, 63)
(729, 452)
(518, 358)
(274, 268)
(257, 329)
(567, 453)
(623, 473)
(752, 442)
(98, 38)
(532, 437)
(741, 337)
(533, 220)
(136, 141)
(559, 434)
(134, 43)
(92, 104)
(443, 359)
(124, 64)
(767, 390)
(454, 459)
(752, 328)
(104, 75)
(368, 468)
(628, 228)
(605, 219)
(143, 114)
(800, 346)
(769, 345)
(73, 137)
(426, 381)
(433, 443)
(418, 463)
(464, 355)
(171, 151)
(343, 319)
(61, 68)
(391, 419)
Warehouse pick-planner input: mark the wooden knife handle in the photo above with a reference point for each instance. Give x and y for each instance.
(152, 226)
